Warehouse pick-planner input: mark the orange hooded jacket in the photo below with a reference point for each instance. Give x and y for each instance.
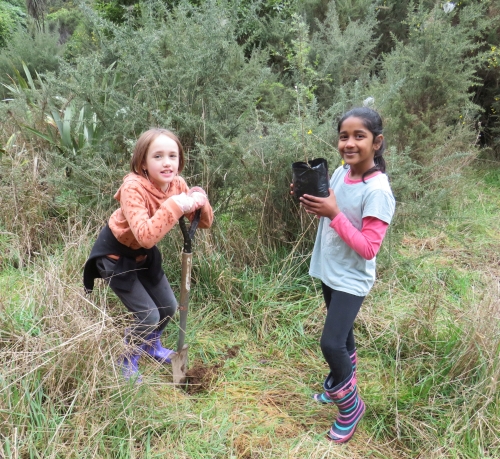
(146, 213)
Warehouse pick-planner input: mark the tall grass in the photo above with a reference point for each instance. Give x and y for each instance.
(428, 341)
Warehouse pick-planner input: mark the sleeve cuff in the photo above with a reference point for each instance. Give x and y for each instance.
(340, 216)
(173, 207)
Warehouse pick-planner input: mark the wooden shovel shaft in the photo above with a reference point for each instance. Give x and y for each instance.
(184, 299)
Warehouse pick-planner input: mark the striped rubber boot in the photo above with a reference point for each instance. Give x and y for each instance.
(351, 409)
(324, 397)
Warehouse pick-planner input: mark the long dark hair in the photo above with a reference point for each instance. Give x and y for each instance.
(373, 122)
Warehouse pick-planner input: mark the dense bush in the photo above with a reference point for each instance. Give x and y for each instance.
(250, 87)
(11, 17)
(246, 105)
(65, 21)
(424, 92)
(37, 49)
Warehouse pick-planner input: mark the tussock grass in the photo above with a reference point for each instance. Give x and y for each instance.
(428, 340)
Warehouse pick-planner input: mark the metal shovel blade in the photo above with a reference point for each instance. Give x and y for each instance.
(180, 365)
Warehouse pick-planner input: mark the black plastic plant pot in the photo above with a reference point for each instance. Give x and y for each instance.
(311, 178)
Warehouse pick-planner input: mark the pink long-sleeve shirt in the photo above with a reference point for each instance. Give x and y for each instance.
(366, 242)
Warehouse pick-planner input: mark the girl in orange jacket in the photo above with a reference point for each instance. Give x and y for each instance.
(153, 197)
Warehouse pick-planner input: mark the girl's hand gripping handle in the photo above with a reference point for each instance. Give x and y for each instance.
(199, 195)
(199, 200)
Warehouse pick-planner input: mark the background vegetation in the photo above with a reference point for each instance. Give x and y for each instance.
(250, 86)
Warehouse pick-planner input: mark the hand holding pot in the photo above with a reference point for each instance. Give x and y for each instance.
(321, 207)
(310, 177)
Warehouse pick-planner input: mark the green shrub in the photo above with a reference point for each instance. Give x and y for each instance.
(116, 10)
(424, 93)
(343, 56)
(11, 17)
(243, 123)
(198, 83)
(64, 21)
(38, 49)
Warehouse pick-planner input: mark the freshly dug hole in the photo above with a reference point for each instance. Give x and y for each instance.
(201, 378)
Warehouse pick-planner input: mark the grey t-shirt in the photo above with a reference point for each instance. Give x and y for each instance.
(333, 261)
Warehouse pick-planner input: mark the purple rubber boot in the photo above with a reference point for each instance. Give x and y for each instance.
(154, 348)
(129, 364)
(129, 360)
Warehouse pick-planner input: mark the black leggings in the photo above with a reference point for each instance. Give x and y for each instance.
(337, 340)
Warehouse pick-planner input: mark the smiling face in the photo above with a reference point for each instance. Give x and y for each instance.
(357, 146)
(162, 161)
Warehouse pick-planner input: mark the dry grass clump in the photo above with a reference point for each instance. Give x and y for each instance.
(26, 200)
(431, 336)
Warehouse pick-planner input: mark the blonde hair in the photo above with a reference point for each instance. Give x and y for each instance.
(142, 147)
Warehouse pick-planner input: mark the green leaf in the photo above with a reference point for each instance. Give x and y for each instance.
(43, 136)
(13, 89)
(66, 130)
(28, 76)
(11, 140)
(57, 119)
(20, 79)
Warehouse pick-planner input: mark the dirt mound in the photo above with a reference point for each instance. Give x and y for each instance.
(201, 378)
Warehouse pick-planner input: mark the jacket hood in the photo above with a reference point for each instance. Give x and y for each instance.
(142, 181)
